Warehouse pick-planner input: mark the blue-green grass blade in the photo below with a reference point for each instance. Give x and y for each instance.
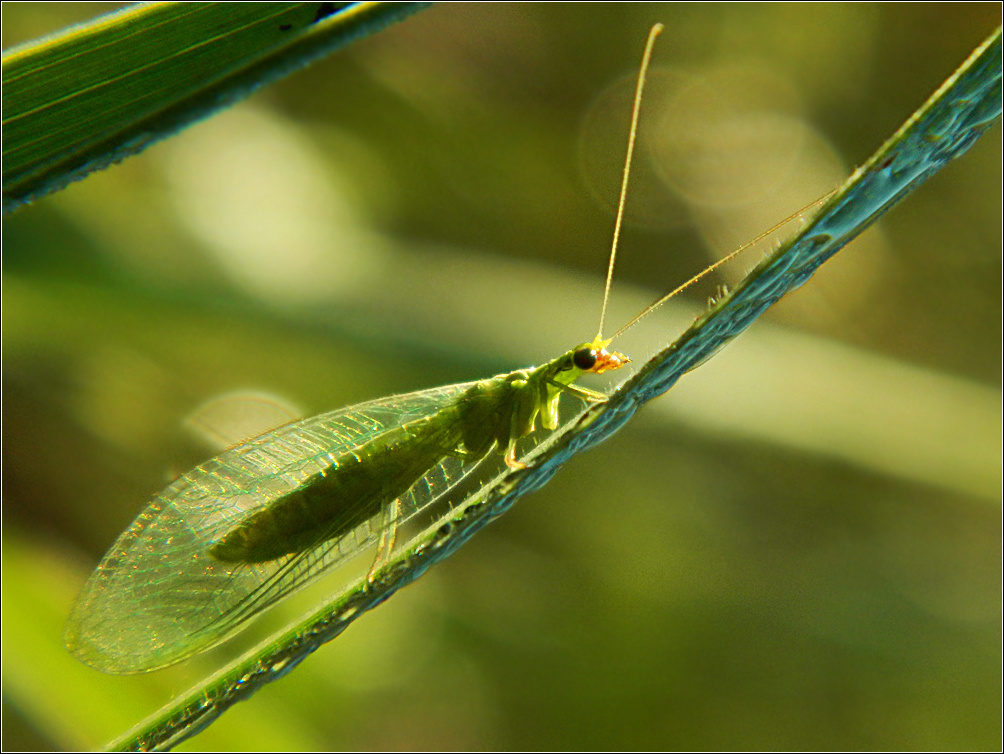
(943, 129)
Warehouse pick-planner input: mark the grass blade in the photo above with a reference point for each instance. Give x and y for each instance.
(95, 94)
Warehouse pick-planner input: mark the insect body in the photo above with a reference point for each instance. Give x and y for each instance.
(259, 521)
(362, 480)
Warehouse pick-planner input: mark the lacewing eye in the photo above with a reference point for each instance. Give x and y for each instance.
(585, 358)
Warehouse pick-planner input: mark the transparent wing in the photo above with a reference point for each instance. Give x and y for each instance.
(158, 596)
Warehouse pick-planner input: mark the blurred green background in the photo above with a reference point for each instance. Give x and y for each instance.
(797, 548)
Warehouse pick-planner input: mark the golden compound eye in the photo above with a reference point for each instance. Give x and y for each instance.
(584, 358)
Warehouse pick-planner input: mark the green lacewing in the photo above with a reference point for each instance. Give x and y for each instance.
(261, 520)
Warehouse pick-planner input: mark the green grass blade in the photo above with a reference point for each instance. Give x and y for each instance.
(95, 94)
(944, 128)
